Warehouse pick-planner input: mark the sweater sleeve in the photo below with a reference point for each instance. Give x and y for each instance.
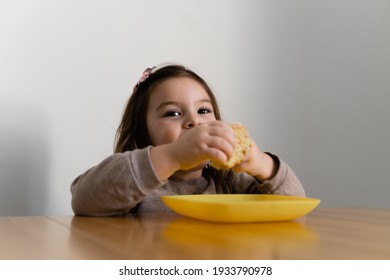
(285, 182)
(116, 185)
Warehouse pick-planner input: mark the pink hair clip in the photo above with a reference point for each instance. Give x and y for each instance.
(144, 76)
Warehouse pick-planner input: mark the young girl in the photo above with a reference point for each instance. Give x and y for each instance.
(170, 130)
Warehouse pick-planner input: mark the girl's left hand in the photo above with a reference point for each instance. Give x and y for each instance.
(257, 164)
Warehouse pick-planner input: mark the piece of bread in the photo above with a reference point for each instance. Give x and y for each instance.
(243, 146)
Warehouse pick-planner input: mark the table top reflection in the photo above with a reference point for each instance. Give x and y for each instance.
(337, 233)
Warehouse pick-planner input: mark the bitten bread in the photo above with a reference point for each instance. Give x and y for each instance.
(243, 146)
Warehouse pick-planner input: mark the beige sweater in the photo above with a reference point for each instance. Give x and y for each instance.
(127, 182)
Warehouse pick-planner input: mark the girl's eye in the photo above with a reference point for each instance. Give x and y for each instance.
(204, 111)
(172, 114)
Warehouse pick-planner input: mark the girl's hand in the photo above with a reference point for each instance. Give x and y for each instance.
(208, 141)
(194, 149)
(257, 164)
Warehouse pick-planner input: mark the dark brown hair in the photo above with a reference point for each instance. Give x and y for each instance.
(132, 132)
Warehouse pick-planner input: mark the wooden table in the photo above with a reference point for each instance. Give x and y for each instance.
(338, 233)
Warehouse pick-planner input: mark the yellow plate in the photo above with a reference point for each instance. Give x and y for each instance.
(241, 207)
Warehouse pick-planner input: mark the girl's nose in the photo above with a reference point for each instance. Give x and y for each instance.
(191, 122)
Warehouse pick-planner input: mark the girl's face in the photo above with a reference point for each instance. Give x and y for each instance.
(176, 105)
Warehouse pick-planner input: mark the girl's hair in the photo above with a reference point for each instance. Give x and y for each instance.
(132, 132)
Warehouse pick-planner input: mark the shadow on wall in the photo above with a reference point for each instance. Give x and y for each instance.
(23, 160)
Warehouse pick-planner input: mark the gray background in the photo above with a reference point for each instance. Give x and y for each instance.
(310, 79)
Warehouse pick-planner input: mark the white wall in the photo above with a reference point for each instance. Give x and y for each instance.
(308, 78)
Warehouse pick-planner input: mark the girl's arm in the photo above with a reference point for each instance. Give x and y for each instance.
(121, 181)
(273, 174)
(116, 185)
(283, 182)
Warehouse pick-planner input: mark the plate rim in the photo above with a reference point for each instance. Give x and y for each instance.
(286, 198)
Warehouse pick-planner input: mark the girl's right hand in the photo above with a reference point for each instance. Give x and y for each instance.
(194, 149)
(202, 143)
